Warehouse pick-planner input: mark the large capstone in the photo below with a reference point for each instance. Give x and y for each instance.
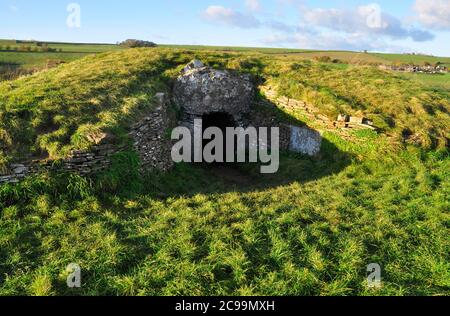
(203, 90)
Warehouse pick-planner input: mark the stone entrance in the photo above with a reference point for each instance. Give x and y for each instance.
(202, 90)
(220, 120)
(221, 98)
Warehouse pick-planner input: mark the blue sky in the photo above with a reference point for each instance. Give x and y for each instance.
(389, 26)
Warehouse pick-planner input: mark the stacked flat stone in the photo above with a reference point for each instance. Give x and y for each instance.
(17, 173)
(151, 138)
(150, 142)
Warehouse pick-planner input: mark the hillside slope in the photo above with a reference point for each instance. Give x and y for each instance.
(311, 229)
(52, 112)
(396, 104)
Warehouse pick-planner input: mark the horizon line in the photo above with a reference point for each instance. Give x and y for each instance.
(228, 46)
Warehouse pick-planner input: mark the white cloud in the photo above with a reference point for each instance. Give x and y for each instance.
(369, 20)
(364, 27)
(434, 13)
(225, 16)
(279, 39)
(253, 5)
(221, 15)
(281, 26)
(328, 41)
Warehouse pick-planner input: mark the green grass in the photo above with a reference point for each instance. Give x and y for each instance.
(53, 112)
(236, 49)
(310, 229)
(36, 59)
(66, 47)
(438, 81)
(191, 233)
(397, 104)
(14, 64)
(414, 59)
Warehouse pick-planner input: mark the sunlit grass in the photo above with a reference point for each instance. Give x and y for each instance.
(304, 238)
(311, 229)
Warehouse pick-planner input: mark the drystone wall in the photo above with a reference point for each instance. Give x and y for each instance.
(151, 136)
(150, 142)
(15, 173)
(79, 162)
(199, 90)
(298, 139)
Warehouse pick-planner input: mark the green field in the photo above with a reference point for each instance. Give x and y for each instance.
(66, 47)
(440, 82)
(15, 64)
(32, 59)
(310, 229)
(414, 59)
(236, 49)
(85, 48)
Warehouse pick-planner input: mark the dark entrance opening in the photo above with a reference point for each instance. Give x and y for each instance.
(221, 120)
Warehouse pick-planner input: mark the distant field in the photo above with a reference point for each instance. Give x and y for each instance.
(17, 63)
(68, 47)
(310, 229)
(35, 59)
(7, 42)
(347, 57)
(413, 59)
(433, 81)
(239, 49)
(14, 64)
(85, 48)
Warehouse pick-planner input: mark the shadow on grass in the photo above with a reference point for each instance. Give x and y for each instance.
(190, 179)
(183, 180)
(10, 71)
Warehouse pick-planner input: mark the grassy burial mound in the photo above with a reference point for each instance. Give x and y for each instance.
(397, 105)
(53, 112)
(312, 228)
